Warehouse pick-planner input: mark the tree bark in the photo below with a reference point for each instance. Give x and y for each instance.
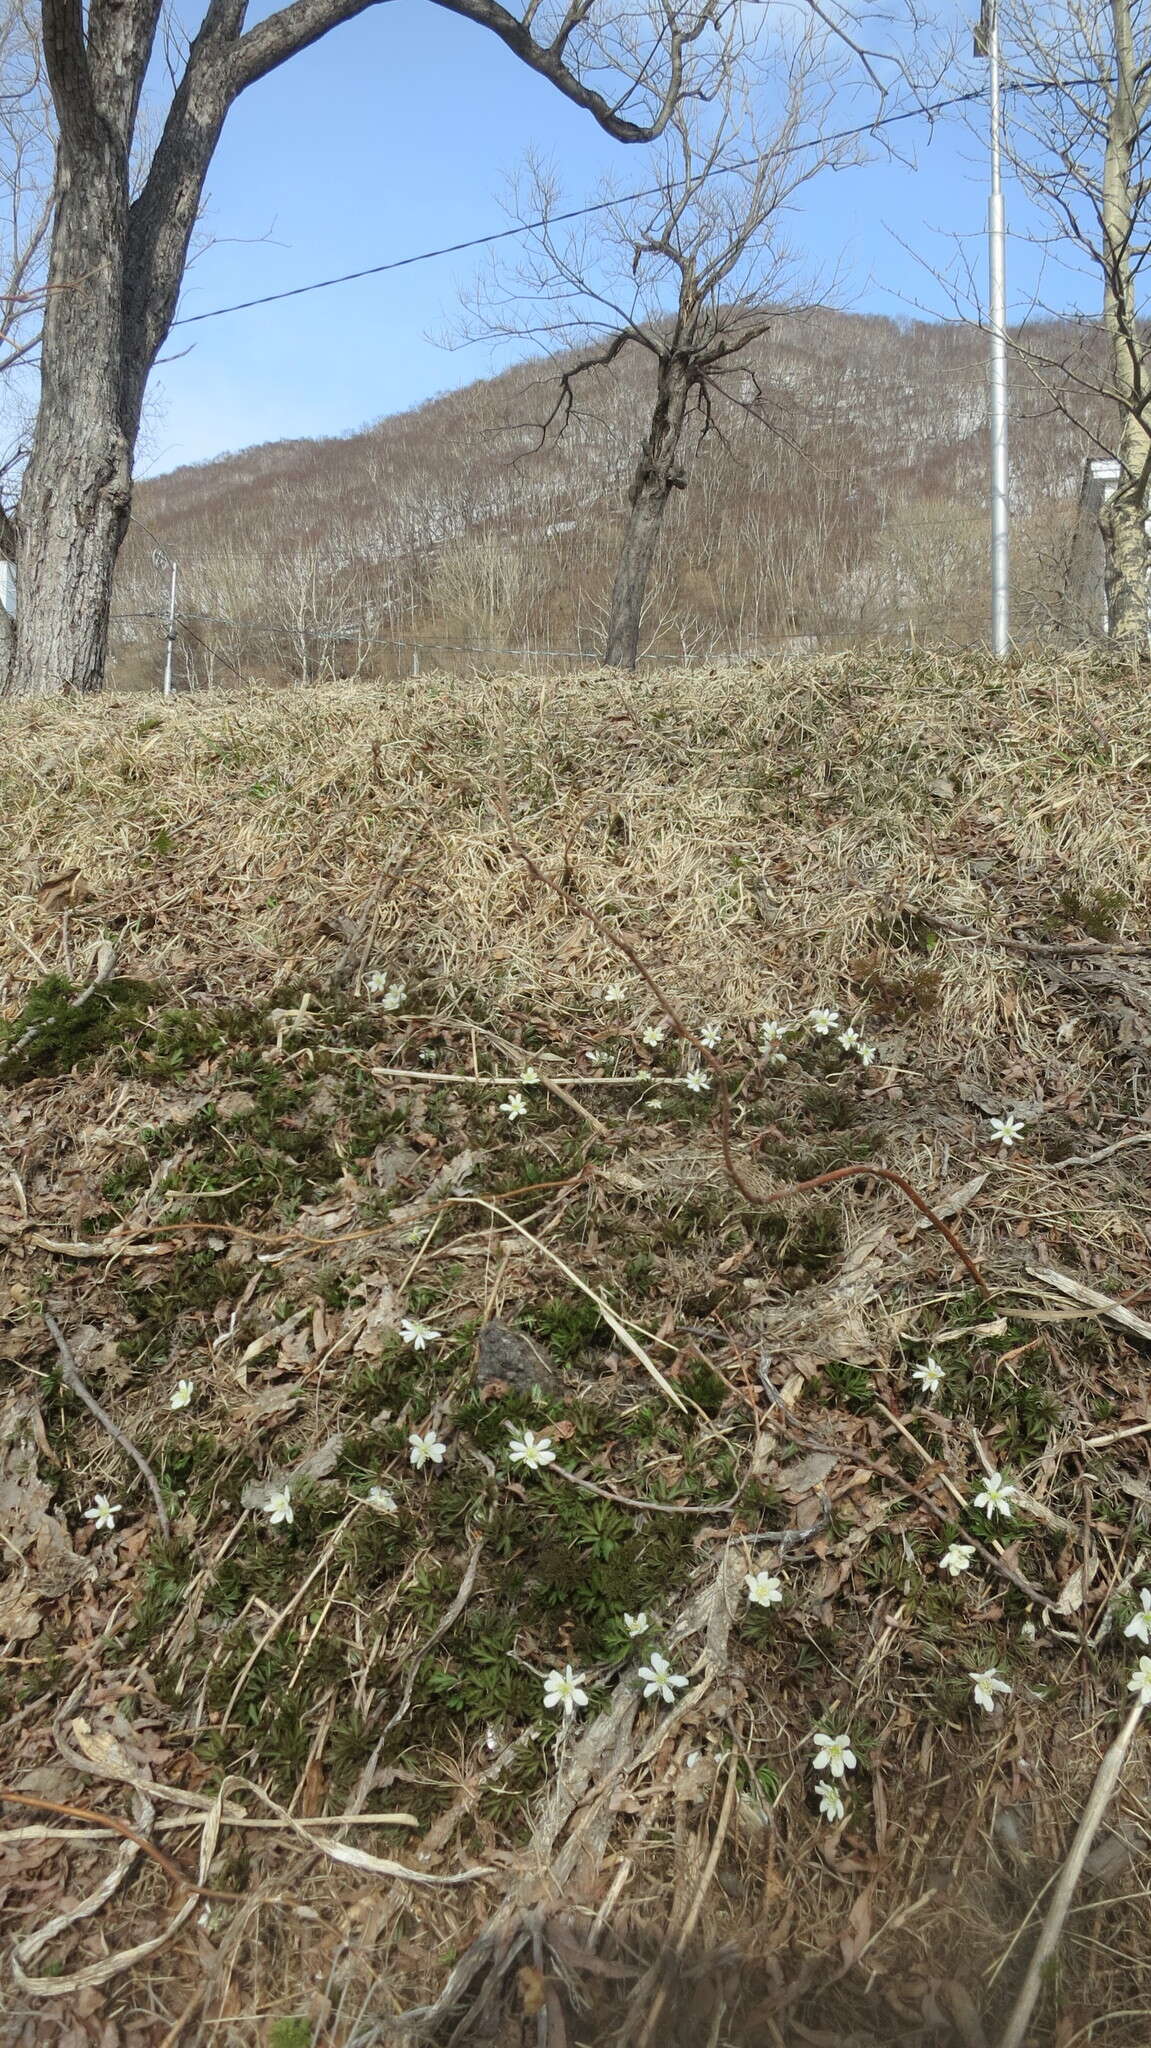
(77, 490)
(1123, 520)
(659, 472)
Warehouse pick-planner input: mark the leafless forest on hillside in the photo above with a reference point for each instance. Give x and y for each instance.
(840, 497)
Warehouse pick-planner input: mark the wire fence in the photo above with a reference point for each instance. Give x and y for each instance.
(211, 652)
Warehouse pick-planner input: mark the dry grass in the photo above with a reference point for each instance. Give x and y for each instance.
(958, 858)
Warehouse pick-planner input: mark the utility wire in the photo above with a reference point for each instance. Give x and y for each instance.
(529, 227)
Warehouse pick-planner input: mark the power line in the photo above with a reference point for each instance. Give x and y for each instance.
(750, 163)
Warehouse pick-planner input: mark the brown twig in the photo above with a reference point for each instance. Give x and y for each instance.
(647, 1507)
(120, 1827)
(865, 1168)
(71, 1377)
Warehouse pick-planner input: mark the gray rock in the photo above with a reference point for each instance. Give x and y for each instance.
(507, 1354)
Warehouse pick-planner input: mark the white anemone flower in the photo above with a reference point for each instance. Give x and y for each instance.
(764, 1589)
(1006, 1130)
(529, 1077)
(418, 1335)
(278, 1506)
(661, 1679)
(565, 1689)
(614, 992)
(654, 1034)
(711, 1037)
(930, 1374)
(531, 1451)
(1140, 1625)
(956, 1559)
(636, 1624)
(833, 1753)
(513, 1106)
(831, 1804)
(1140, 1681)
(425, 1447)
(384, 1502)
(697, 1081)
(996, 1497)
(985, 1685)
(103, 1512)
(823, 1022)
(181, 1394)
(391, 993)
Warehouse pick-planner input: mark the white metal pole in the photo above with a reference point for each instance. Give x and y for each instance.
(997, 258)
(171, 635)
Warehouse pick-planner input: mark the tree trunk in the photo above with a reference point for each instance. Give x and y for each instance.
(76, 495)
(658, 473)
(7, 646)
(648, 505)
(1123, 519)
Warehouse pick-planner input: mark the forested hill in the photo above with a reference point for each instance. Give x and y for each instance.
(841, 493)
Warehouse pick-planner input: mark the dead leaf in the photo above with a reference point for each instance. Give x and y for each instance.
(50, 1566)
(322, 1462)
(533, 1990)
(1074, 1592)
(59, 892)
(857, 1933)
(953, 1200)
(801, 1479)
(272, 1403)
(233, 1103)
(379, 1318)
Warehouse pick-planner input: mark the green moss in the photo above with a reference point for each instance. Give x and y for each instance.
(895, 995)
(705, 1387)
(810, 1241)
(181, 1290)
(1094, 910)
(830, 1109)
(54, 1032)
(290, 2033)
(568, 1326)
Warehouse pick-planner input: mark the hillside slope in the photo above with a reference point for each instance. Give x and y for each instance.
(841, 494)
(375, 1140)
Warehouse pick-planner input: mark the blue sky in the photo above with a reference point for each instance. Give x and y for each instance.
(393, 135)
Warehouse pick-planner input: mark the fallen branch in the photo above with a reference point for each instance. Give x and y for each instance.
(1101, 1792)
(1090, 1298)
(71, 1377)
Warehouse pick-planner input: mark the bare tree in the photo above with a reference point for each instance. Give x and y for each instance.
(26, 170)
(1079, 141)
(26, 153)
(117, 260)
(691, 276)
